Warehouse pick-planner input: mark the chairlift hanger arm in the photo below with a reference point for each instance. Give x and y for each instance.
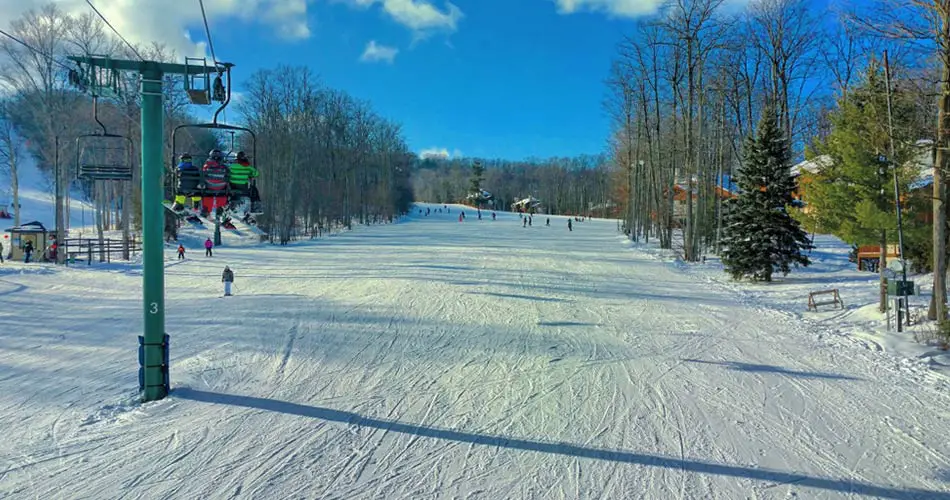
(228, 99)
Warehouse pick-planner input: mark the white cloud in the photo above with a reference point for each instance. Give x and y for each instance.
(420, 16)
(628, 8)
(439, 153)
(378, 53)
(147, 21)
(619, 8)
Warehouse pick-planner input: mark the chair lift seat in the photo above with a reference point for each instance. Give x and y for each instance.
(189, 181)
(105, 172)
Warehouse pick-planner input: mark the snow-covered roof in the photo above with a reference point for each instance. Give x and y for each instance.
(812, 166)
(923, 162)
(29, 227)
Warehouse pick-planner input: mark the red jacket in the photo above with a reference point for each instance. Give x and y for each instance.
(216, 175)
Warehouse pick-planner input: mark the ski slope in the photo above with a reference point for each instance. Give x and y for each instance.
(438, 359)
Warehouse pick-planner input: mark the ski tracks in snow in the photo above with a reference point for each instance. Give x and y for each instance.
(482, 359)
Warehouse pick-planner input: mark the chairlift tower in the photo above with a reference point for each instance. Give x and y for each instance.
(153, 351)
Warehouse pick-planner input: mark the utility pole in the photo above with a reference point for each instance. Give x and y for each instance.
(153, 345)
(897, 190)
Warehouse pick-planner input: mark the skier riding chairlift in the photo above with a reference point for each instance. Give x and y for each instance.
(189, 181)
(216, 174)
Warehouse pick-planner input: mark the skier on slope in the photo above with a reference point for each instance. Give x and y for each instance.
(548, 222)
(493, 216)
(208, 246)
(181, 252)
(524, 222)
(570, 227)
(227, 277)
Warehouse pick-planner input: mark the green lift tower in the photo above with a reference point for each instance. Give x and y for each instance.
(153, 348)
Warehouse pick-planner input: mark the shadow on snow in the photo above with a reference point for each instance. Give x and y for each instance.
(750, 367)
(556, 448)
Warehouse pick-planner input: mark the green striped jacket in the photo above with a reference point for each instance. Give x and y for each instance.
(240, 173)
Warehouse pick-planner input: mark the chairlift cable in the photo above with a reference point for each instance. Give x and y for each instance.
(46, 56)
(207, 31)
(134, 51)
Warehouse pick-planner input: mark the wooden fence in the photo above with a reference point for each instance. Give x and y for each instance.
(89, 249)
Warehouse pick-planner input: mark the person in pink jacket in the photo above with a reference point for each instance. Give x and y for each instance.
(208, 246)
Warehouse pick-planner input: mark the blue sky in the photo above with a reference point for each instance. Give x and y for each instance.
(514, 79)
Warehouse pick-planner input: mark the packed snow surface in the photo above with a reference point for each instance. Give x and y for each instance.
(434, 358)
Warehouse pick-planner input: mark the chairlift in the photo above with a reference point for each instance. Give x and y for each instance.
(223, 91)
(198, 86)
(103, 156)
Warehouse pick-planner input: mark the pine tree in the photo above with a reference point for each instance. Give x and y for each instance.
(852, 197)
(475, 194)
(475, 190)
(760, 236)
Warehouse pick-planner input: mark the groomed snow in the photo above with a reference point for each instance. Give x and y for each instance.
(432, 358)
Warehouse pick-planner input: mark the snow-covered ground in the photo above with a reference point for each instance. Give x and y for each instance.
(860, 322)
(38, 203)
(433, 358)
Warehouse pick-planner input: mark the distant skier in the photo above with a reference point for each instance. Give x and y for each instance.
(530, 220)
(461, 216)
(493, 216)
(181, 252)
(524, 222)
(1, 252)
(208, 246)
(27, 252)
(570, 227)
(547, 222)
(227, 277)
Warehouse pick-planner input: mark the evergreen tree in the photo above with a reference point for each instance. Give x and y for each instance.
(475, 190)
(760, 236)
(852, 197)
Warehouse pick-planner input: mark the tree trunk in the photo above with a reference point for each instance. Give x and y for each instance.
(15, 185)
(60, 205)
(939, 196)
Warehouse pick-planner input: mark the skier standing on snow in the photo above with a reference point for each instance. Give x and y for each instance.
(181, 252)
(524, 222)
(208, 246)
(570, 227)
(548, 222)
(493, 216)
(227, 277)
(1, 252)
(530, 219)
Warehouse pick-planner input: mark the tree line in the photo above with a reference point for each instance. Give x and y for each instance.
(325, 157)
(689, 85)
(577, 185)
